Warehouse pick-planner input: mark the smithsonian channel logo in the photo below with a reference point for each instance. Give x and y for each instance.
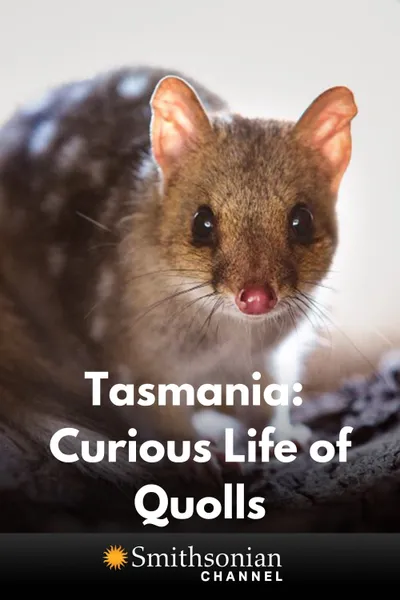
(206, 567)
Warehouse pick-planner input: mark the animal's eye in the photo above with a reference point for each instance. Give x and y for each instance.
(301, 223)
(203, 226)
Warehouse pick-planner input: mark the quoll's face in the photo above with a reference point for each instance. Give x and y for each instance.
(253, 219)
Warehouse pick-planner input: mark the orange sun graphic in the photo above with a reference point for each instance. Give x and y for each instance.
(115, 557)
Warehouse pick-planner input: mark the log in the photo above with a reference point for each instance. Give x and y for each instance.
(359, 495)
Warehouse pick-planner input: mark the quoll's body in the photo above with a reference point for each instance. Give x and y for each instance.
(147, 232)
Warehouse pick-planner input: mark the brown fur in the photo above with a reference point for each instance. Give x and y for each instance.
(251, 174)
(97, 264)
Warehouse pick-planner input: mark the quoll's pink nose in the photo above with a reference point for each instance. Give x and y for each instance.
(256, 300)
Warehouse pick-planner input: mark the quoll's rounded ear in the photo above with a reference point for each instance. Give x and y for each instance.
(326, 127)
(178, 122)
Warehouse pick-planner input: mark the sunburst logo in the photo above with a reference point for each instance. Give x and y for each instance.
(115, 557)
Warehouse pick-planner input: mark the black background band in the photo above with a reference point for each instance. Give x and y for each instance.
(304, 558)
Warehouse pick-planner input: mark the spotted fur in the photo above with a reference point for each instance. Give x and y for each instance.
(97, 271)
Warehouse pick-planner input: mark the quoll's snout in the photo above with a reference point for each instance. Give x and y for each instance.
(256, 299)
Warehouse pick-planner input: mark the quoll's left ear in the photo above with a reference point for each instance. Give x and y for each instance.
(326, 127)
(179, 122)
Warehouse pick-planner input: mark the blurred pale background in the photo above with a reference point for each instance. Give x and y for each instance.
(267, 58)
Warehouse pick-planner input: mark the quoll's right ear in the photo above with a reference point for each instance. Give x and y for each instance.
(326, 127)
(179, 122)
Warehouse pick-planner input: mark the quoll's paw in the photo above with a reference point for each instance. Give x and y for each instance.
(212, 425)
(300, 434)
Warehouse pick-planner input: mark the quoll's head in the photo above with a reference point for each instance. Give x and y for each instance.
(249, 205)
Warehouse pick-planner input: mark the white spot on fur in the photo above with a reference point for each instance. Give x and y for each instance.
(99, 326)
(224, 118)
(52, 204)
(132, 86)
(70, 152)
(39, 104)
(146, 168)
(42, 136)
(287, 359)
(79, 92)
(105, 284)
(56, 259)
